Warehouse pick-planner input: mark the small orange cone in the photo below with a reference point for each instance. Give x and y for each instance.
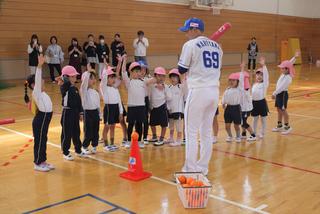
(135, 170)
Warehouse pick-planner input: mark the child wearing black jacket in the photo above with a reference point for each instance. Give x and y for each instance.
(71, 114)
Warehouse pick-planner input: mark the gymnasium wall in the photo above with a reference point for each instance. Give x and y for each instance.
(65, 19)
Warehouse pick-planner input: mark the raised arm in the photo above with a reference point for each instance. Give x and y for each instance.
(38, 77)
(265, 73)
(103, 83)
(84, 85)
(294, 58)
(125, 77)
(241, 77)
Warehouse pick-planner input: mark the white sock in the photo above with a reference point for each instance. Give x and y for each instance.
(264, 125)
(255, 124)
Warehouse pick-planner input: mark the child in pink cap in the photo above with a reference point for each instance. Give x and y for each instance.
(281, 95)
(136, 87)
(246, 106)
(91, 108)
(176, 106)
(113, 109)
(259, 91)
(231, 101)
(159, 96)
(71, 114)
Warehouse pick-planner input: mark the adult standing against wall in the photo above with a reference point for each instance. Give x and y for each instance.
(54, 57)
(34, 50)
(75, 52)
(201, 60)
(117, 48)
(140, 45)
(90, 49)
(252, 53)
(103, 54)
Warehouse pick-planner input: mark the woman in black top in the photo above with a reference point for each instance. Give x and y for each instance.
(75, 52)
(34, 50)
(90, 50)
(117, 47)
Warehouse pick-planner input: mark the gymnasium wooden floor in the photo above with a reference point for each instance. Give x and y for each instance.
(280, 174)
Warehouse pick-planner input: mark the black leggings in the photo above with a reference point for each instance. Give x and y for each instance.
(253, 64)
(51, 68)
(138, 126)
(244, 118)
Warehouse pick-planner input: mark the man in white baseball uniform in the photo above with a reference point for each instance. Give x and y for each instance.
(200, 61)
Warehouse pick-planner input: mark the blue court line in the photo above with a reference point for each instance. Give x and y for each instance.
(111, 204)
(115, 207)
(109, 211)
(56, 204)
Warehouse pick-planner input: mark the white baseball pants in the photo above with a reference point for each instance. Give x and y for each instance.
(200, 109)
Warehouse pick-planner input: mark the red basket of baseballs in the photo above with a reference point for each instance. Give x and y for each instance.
(194, 189)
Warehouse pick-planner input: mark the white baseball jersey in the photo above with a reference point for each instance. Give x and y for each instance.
(202, 58)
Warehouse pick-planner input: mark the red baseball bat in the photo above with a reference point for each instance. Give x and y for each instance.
(224, 28)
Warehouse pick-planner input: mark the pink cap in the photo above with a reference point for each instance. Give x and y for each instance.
(259, 70)
(108, 71)
(160, 71)
(133, 65)
(234, 76)
(289, 65)
(174, 71)
(69, 70)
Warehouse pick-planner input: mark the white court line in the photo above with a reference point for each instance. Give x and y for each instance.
(262, 206)
(301, 115)
(256, 210)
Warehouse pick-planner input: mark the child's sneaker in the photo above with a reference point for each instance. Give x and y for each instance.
(153, 139)
(159, 143)
(214, 140)
(68, 157)
(174, 144)
(85, 151)
(145, 141)
(41, 167)
(94, 150)
(183, 142)
(82, 155)
(238, 139)
(127, 145)
(141, 145)
(251, 138)
(244, 135)
(50, 166)
(286, 130)
(229, 139)
(277, 129)
(109, 149)
(115, 147)
(124, 142)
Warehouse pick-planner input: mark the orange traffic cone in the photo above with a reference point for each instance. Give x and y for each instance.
(135, 170)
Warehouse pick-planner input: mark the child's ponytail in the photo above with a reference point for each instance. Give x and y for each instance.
(26, 97)
(28, 84)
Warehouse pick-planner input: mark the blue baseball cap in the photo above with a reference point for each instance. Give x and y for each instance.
(192, 23)
(143, 64)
